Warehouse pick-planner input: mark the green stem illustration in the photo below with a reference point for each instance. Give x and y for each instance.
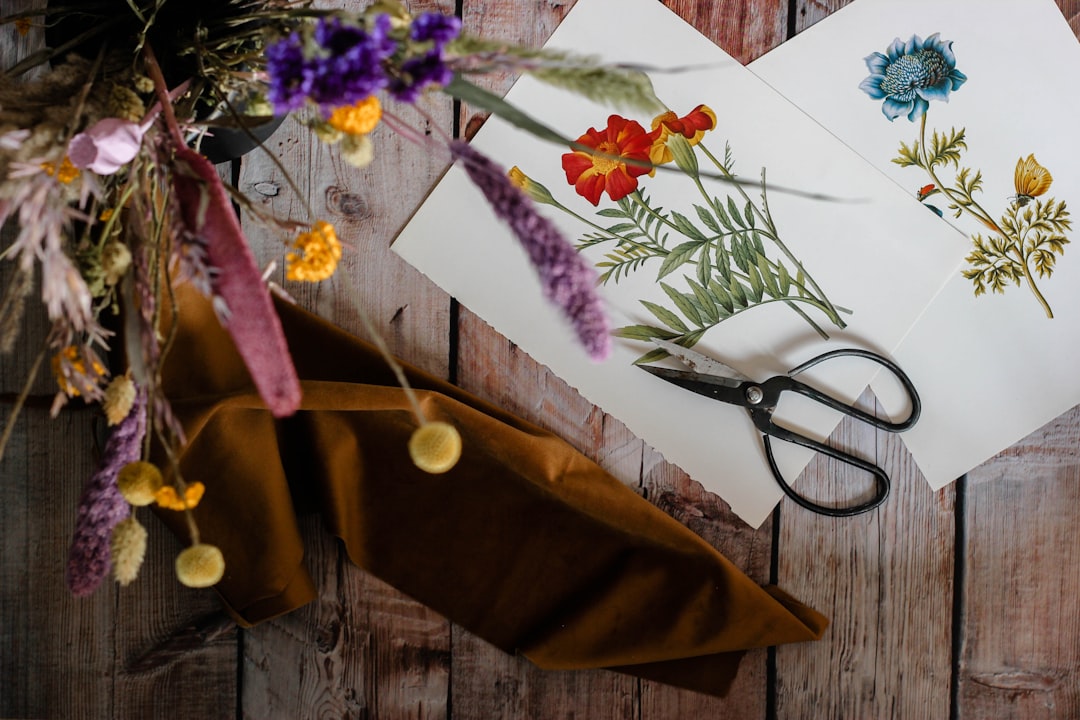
(766, 218)
(964, 204)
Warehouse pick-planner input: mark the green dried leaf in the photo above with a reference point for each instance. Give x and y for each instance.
(757, 287)
(738, 293)
(704, 302)
(685, 304)
(686, 227)
(771, 286)
(704, 267)
(708, 220)
(733, 212)
(722, 297)
(679, 256)
(945, 149)
(783, 278)
(644, 332)
(908, 155)
(665, 316)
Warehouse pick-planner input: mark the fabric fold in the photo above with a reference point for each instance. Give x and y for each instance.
(526, 542)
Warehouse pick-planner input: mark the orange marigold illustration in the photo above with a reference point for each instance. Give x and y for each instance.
(592, 175)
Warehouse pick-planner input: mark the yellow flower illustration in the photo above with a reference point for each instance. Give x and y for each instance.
(320, 253)
(692, 127)
(533, 189)
(358, 119)
(1032, 180)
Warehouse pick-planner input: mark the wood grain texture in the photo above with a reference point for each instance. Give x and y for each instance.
(884, 579)
(808, 12)
(362, 649)
(57, 649)
(1020, 652)
(745, 29)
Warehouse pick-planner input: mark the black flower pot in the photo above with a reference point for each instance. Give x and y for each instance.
(93, 25)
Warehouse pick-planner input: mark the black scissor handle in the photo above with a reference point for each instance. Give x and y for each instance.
(788, 383)
(769, 395)
(881, 480)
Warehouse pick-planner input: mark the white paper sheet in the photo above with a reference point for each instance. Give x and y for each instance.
(991, 369)
(886, 271)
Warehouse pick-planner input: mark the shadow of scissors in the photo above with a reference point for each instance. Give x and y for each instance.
(718, 381)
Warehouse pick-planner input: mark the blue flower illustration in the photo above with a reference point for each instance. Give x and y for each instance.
(909, 75)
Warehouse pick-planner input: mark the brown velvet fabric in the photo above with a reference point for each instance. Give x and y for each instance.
(526, 542)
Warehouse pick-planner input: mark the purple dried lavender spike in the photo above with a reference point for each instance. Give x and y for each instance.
(568, 280)
(102, 506)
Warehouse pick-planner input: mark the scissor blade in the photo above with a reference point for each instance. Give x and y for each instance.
(716, 387)
(701, 364)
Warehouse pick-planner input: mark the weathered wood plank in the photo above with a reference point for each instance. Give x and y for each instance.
(884, 578)
(745, 29)
(362, 649)
(808, 12)
(1020, 652)
(57, 649)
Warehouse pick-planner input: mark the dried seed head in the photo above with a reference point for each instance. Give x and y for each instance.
(128, 549)
(435, 447)
(200, 566)
(119, 397)
(139, 482)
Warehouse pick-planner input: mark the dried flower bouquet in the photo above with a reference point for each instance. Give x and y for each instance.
(108, 203)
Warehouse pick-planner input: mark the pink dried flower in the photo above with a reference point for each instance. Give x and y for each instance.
(44, 214)
(106, 146)
(568, 280)
(206, 212)
(102, 506)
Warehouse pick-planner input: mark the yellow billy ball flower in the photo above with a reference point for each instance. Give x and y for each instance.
(435, 447)
(358, 119)
(200, 566)
(139, 482)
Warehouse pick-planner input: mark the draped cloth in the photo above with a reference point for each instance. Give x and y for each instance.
(525, 542)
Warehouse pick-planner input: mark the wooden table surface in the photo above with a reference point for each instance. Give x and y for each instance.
(956, 604)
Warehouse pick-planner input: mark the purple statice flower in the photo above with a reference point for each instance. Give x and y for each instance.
(417, 73)
(344, 66)
(568, 280)
(285, 65)
(102, 506)
(435, 27)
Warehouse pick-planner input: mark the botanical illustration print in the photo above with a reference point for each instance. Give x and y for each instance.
(1026, 239)
(725, 260)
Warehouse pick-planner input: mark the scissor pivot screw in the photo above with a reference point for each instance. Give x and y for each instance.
(754, 395)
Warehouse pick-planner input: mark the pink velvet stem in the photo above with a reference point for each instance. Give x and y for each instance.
(253, 324)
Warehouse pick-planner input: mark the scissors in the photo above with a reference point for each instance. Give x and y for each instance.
(716, 380)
